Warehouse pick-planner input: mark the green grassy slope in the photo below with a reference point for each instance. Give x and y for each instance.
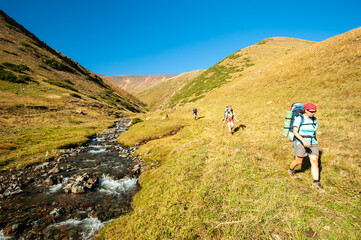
(47, 100)
(236, 65)
(157, 96)
(205, 184)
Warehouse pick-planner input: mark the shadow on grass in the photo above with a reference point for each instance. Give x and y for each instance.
(239, 127)
(306, 164)
(200, 117)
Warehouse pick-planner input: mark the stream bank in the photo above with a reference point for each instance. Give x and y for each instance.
(73, 195)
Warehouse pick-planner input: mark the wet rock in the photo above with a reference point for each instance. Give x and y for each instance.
(13, 230)
(136, 169)
(78, 189)
(56, 169)
(50, 181)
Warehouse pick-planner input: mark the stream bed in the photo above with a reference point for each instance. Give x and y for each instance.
(73, 195)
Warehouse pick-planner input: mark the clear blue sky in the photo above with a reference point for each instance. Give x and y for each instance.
(173, 36)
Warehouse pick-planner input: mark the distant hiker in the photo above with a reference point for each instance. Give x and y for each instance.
(229, 118)
(305, 143)
(195, 113)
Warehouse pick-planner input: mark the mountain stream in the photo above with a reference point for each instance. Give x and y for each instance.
(73, 195)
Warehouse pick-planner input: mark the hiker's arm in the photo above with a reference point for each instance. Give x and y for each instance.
(297, 135)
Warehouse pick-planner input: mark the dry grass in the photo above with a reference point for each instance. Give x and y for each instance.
(209, 185)
(158, 95)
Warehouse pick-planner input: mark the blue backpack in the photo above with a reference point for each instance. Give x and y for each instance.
(297, 110)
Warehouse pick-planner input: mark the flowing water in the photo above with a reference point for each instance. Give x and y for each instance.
(39, 207)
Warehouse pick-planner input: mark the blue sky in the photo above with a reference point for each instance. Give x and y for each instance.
(173, 36)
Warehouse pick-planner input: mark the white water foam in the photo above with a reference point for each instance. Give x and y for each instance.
(57, 187)
(97, 151)
(111, 186)
(89, 226)
(2, 237)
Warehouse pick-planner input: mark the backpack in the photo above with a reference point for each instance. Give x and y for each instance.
(297, 109)
(229, 114)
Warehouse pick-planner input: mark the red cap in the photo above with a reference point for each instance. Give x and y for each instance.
(310, 106)
(229, 106)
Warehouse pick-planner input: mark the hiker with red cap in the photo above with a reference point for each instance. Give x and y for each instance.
(305, 143)
(229, 118)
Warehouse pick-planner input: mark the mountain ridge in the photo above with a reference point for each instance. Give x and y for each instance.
(137, 83)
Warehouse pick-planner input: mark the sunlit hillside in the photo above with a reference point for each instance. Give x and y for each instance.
(206, 184)
(137, 83)
(237, 65)
(157, 96)
(48, 100)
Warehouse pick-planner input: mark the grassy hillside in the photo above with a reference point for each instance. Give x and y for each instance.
(137, 83)
(239, 64)
(205, 184)
(157, 96)
(47, 100)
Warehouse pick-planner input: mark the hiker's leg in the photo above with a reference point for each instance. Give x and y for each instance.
(314, 167)
(232, 124)
(296, 162)
(229, 126)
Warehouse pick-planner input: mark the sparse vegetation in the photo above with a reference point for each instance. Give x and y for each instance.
(57, 65)
(75, 95)
(6, 40)
(136, 120)
(16, 68)
(12, 53)
(60, 84)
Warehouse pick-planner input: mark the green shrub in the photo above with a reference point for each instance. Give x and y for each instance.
(42, 66)
(92, 97)
(75, 121)
(136, 120)
(6, 40)
(16, 68)
(57, 65)
(75, 95)
(9, 76)
(68, 81)
(15, 54)
(59, 84)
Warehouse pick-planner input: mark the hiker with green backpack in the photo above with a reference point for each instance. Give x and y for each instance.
(302, 131)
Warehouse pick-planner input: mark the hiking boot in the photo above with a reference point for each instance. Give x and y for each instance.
(318, 187)
(292, 173)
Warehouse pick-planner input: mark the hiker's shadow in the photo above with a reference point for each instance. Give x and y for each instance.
(200, 117)
(239, 127)
(306, 164)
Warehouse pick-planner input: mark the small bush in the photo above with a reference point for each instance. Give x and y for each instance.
(92, 97)
(16, 68)
(8, 76)
(15, 54)
(75, 121)
(42, 66)
(6, 40)
(57, 65)
(75, 95)
(136, 120)
(59, 84)
(68, 81)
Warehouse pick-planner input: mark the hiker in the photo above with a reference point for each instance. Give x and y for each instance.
(195, 113)
(229, 118)
(305, 143)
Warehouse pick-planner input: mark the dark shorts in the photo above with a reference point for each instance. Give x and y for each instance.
(301, 151)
